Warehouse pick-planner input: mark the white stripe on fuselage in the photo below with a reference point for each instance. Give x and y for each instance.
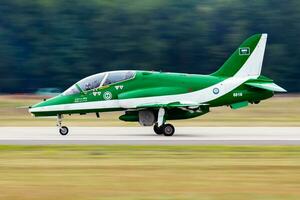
(201, 96)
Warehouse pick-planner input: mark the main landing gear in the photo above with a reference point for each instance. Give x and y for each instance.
(160, 128)
(63, 130)
(164, 129)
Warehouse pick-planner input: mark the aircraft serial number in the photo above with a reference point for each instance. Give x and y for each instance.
(237, 94)
(79, 100)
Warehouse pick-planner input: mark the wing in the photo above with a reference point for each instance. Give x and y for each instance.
(176, 104)
(176, 110)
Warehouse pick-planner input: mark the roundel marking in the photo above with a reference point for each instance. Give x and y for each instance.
(107, 95)
(216, 90)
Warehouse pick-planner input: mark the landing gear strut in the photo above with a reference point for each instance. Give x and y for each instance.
(63, 130)
(160, 127)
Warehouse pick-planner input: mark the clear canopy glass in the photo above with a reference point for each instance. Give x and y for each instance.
(98, 80)
(118, 76)
(91, 82)
(71, 90)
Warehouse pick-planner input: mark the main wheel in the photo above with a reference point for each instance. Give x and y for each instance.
(168, 129)
(63, 130)
(157, 129)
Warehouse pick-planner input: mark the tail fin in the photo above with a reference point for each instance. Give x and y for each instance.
(246, 60)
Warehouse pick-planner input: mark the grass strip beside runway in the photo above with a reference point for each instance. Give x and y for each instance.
(150, 172)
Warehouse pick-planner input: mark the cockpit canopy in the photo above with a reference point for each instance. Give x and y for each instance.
(98, 80)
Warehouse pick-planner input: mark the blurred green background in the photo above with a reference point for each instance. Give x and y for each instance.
(54, 43)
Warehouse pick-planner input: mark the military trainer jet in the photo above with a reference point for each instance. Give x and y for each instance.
(151, 98)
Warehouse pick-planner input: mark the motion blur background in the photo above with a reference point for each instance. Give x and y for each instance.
(54, 43)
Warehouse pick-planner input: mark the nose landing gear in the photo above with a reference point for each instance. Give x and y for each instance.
(63, 130)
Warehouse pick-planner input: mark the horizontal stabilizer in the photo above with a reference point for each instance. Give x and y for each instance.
(267, 86)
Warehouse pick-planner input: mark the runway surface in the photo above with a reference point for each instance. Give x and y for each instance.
(145, 136)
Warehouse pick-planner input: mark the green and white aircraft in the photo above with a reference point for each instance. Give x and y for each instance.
(152, 98)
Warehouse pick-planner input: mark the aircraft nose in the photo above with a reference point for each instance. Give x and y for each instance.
(44, 105)
(38, 107)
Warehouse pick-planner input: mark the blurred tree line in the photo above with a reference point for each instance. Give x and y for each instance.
(54, 43)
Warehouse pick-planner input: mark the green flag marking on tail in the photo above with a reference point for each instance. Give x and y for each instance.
(244, 51)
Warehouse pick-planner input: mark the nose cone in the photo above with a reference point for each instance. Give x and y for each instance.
(39, 105)
(47, 107)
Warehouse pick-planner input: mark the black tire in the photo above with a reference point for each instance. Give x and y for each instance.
(63, 130)
(157, 129)
(168, 129)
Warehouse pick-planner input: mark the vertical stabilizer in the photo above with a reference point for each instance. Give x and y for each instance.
(247, 59)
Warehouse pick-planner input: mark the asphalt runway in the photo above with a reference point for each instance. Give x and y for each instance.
(145, 136)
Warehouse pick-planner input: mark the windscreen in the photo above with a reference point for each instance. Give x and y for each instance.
(91, 82)
(72, 90)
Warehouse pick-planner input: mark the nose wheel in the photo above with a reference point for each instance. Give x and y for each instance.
(63, 130)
